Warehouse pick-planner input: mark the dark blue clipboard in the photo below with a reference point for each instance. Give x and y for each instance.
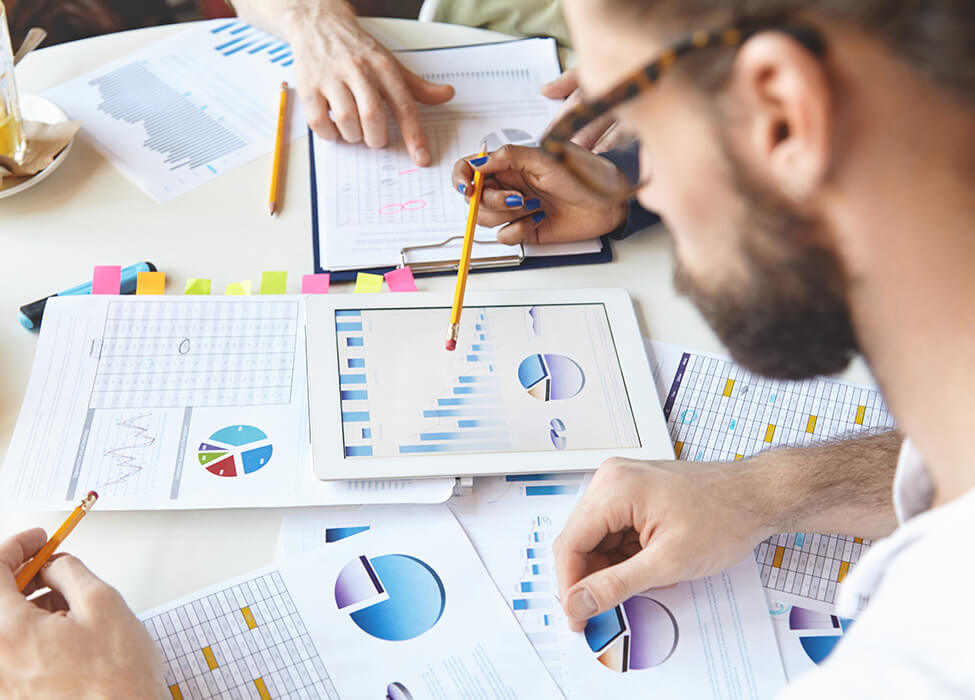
(605, 255)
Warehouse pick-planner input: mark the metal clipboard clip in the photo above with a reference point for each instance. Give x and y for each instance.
(496, 261)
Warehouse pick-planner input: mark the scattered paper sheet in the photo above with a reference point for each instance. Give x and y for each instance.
(178, 113)
(402, 609)
(175, 402)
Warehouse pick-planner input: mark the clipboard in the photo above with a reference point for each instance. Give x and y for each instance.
(447, 265)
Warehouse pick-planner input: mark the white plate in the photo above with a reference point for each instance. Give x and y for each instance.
(38, 109)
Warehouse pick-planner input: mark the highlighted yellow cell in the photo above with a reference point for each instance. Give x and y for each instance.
(811, 424)
(274, 282)
(769, 432)
(248, 617)
(728, 386)
(262, 689)
(197, 285)
(368, 283)
(678, 448)
(858, 540)
(175, 692)
(777, 560)
(239, 288)
(861, 412)
(844, 570)
(211, 659)
(150, 283)
(738, 458)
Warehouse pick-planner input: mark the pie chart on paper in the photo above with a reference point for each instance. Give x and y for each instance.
(236, 450)
(639, 634)
(550, 377)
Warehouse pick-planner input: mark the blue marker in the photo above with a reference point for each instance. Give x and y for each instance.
(31, 314)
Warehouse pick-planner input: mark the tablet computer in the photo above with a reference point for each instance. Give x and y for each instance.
(541, 381)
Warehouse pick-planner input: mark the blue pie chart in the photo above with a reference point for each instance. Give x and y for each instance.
(549, 377)
(394, 597)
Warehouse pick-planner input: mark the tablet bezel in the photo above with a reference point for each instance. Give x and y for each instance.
(325, 411)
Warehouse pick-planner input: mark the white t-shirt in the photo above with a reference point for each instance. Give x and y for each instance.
(916, 589)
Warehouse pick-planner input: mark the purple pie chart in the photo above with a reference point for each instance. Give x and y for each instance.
(550, 377)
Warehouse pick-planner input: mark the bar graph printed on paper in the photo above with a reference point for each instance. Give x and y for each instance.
(717, 411)
(240, 38)
(247, 640)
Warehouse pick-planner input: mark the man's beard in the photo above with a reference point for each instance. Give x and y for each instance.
(788, 318)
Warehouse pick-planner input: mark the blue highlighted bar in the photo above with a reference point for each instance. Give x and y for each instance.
(281, 57)
(451, 413)
(343, 312)
(357, 362)
(554, 490)
(467, 435)
(349, 326)
(479, 423)
(240, 29)
(538, 569)
(354, 394)
(475, 379)
(261, 47)
(425, 449)
(483, 337)
(482, 348)
(334, 534)
(467, 401)
(352, 379)
(355, 416)
(534, 587)
(222, 27)
(474, 390)
(338, 312)
(800, 538)
(358, 451)
(237, 48)
(533, 553)
(545, 620)
(479, 358)
(288, 62)
(351, 342)
(536, 537)
(367, 433)
(228, 44)
(530, 604)
(538, 477)
(477, 326)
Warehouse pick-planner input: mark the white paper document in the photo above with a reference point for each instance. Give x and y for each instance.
(717, 411)
(710, 638)
(372, 203)
(183, 110)
(175, 402)
(399, 608)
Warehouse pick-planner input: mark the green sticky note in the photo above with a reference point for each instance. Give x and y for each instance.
(274, 282)
(239, 288)
(197, 285)
(368, 283)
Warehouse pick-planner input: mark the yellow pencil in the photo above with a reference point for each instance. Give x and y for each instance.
(27, 574)
(278, 140)
(465, 257)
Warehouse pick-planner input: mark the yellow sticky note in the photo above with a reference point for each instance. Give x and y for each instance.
(367, 283)
(197, 285)
(239, 288)
(150, 283)
(274, 282)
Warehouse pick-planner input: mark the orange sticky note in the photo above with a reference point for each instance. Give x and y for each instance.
(368, 283)
(197, 285)
(150, 283)
(106, 279)
(401, 280)
(315, 284)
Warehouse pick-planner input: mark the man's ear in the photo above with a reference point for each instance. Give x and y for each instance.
(785, 98)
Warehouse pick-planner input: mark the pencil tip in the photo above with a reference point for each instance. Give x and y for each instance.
(451, 345)
(273, 207)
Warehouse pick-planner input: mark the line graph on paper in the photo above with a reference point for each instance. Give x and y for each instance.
(717, 411)
(130, 452)
(175, 354)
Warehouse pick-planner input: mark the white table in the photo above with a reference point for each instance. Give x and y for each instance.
(87, 213)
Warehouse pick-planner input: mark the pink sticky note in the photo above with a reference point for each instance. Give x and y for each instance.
(401, 280)
(106, 279)
(315, 284)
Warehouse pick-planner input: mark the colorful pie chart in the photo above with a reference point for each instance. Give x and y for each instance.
(235, 451)
(393, 597)
(551, 377)
(818, 633)
(639, 634)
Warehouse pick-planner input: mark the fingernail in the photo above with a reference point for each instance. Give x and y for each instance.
(537, 218)
(513, 200)
(477, 162)
(422, 156)
(533, 203)
(581, 604)
(462, 188)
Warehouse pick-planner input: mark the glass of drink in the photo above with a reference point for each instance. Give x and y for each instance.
(12, 142)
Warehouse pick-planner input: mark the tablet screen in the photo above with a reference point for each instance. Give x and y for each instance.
(522, 379)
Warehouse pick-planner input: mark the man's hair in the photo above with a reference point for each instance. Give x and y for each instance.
(934, 37)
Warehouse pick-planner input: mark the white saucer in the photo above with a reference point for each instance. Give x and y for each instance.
(38, 109)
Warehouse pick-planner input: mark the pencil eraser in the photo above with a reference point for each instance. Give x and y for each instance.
(93, 493)
(451, 345)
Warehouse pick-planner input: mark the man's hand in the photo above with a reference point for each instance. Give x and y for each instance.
(602, 134)
(644, 525)
(78, 639)
(537, 199)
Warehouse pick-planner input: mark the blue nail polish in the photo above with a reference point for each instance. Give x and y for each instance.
(476, 162)
(537, 218)
(532, 204)
(513, 200)
(462, 188)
